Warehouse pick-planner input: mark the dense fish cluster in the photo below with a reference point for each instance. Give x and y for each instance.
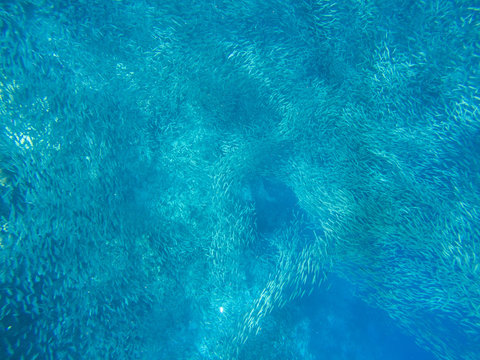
(173, 174)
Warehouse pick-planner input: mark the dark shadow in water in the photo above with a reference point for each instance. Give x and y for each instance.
(344, 327)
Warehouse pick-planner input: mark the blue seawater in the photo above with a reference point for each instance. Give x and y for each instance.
(224, 179)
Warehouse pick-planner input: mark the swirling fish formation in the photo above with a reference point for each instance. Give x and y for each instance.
(147, 149)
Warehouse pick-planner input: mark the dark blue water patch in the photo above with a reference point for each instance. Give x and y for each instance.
(275, 204)
(345, 327)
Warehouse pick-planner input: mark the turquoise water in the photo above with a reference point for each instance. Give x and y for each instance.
(240, 179)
